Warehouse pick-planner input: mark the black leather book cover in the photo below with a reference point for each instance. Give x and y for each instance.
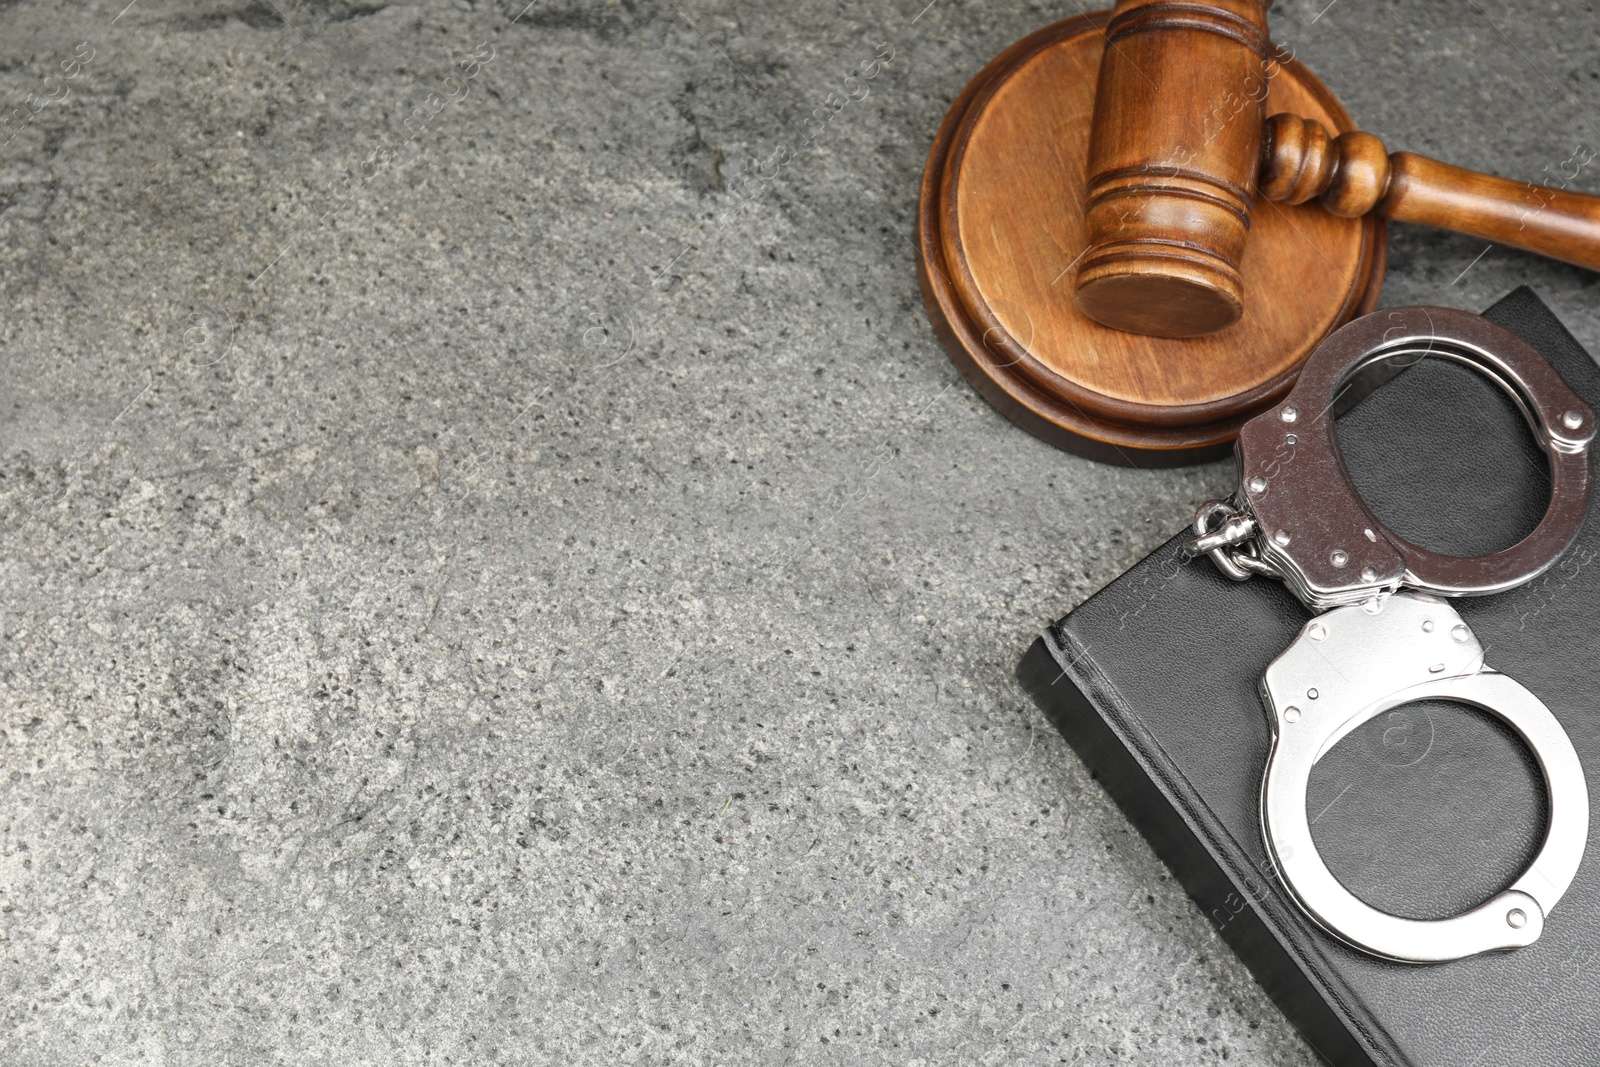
(1426, 810)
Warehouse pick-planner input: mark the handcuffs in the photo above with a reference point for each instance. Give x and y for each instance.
(1383, 635)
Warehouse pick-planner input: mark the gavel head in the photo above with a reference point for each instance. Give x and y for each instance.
(1173, 156)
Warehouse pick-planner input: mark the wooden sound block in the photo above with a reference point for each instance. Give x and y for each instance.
(1000, 230)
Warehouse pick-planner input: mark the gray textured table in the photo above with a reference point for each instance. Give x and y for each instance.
(547, 599)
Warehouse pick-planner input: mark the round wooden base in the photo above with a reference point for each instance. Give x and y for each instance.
(1000, 229)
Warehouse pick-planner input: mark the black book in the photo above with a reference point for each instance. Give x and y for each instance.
(1425, 811)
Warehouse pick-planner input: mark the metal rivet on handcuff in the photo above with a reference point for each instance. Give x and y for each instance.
(1383, 636)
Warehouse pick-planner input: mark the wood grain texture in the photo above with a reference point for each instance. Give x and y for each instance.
(1001, 229)
(1353, 174)
(1173, 151)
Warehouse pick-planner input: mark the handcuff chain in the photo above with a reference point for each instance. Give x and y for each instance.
(1227, 534)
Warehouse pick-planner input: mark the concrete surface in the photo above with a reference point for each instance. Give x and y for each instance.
(549, 600)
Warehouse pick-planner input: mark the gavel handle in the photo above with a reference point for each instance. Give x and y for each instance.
(1353, 174)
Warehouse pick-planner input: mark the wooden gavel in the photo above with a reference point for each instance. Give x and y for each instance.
(1181, 145)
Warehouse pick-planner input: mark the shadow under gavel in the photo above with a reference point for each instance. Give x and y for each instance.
(1172, 185)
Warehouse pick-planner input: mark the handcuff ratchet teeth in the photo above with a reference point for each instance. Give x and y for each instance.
(1383, 636)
